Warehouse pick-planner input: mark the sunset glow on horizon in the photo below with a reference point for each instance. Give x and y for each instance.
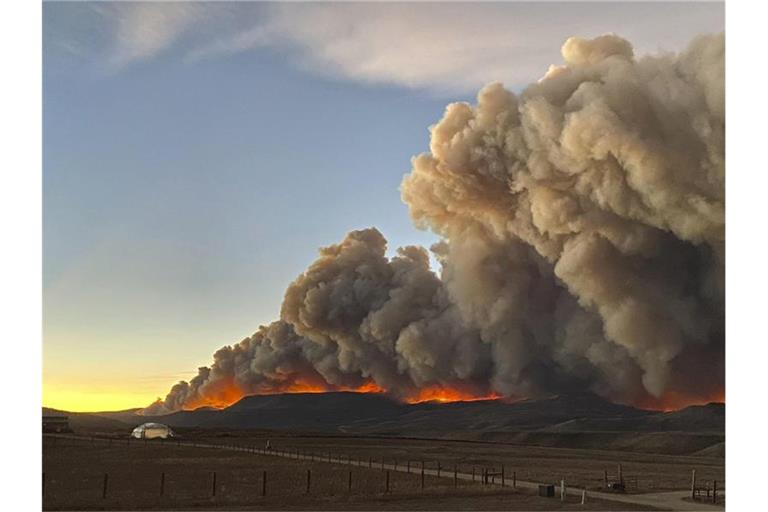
(89, 401)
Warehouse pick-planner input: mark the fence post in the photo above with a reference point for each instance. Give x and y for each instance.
(605, 478)
(693, 484)
(473, 473)
(621, 475)
(370, 462)
(455, 476)
(213, 485)
(349, 482)
(387, 488)
(502, 475)
(514, 479)
(562, 490)
(408, 465)
(329, 456)
(714, 492)
(438, 469)
(162, 483)
(395, 464)
(309, 479)
(583, 496)
(422, 475)
(104, 488)
(264, 483)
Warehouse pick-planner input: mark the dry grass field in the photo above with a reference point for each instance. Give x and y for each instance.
(165, 476)
(580, 468)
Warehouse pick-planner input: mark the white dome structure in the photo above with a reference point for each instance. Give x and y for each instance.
(152, 431)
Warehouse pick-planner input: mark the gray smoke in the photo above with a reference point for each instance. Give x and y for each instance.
(583, 228)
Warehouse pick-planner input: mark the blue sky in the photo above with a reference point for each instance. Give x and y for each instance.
(196, 156)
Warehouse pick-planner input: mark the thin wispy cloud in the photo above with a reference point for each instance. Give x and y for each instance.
(144, 30)
(113, 36)
(453, 47)
(250, 39)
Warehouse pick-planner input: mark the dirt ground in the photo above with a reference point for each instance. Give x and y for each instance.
(164, 476)
(642, 473)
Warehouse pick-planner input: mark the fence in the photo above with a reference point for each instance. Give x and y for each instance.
(347, 474)
(291, 473)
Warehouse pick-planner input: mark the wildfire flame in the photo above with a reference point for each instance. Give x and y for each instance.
(220, 398)
(444, 394)
(674, 401)
(227, 393)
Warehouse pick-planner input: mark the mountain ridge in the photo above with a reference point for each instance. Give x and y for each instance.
(376, 413)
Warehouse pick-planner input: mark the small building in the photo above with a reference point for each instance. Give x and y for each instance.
(56, 424)
(152, 431)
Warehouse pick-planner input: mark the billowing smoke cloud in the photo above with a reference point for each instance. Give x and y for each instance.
(583, 227)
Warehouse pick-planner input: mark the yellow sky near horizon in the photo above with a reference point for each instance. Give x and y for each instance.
(80, 388)
(84, 373)
(93, 401)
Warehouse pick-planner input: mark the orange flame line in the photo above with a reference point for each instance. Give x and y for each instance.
(227, 393)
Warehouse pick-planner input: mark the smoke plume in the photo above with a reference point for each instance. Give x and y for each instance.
(582, 225)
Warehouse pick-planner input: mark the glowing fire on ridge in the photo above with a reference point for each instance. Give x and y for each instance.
(227, 393)
(674, 401)
(444, 395)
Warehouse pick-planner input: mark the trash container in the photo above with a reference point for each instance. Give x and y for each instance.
(547, 490)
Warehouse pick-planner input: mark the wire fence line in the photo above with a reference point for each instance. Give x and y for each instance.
(486, 475)
(312, 476)
(421, 474)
